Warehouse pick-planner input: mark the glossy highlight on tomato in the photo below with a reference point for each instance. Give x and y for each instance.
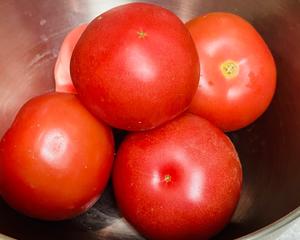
(238, 73)
(135, 66)
(56, 158)
(179, 181)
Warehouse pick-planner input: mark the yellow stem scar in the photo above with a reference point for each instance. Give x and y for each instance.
(230, 69)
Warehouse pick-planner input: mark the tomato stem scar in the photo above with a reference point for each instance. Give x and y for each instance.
(230, 69)
(142, 34)
(167, 178)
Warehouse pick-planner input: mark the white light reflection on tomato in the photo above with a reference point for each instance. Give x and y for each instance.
(54, 144)
(155, 179)
(195, 189)
(146, 66)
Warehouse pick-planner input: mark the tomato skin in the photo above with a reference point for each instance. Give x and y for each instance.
(136, 66)
(179, 181)
(236, 102)
(55, 159)
(63, 82)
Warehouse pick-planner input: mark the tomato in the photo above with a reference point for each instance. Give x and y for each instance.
(238, 73)
(56, 158)
(179, 181)
(136, 66)
(63, 82)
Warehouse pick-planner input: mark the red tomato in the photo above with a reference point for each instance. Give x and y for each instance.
(179, 181)
(63, 82)
(238, 74)
(55, 159)
(136, 66)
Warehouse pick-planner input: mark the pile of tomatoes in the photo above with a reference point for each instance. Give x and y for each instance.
(175, 88)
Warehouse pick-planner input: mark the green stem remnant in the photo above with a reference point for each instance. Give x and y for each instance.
(141, 34)
(167, 178)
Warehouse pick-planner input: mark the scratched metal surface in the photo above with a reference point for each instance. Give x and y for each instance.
(30, 36)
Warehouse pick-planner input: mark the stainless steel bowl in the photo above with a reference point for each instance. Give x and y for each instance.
(30, 36)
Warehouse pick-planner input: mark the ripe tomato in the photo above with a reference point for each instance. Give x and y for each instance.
(238, 74)
(63, 82)
(55, 159)
(179, 181)
(136, 66)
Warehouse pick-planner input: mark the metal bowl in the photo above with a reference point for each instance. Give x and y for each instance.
(30, 36)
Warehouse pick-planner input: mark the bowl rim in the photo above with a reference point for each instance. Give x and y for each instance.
(273, 227)
(256, 235)
(4, 237)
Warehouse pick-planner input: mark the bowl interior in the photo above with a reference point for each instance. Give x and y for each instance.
(30, 36)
